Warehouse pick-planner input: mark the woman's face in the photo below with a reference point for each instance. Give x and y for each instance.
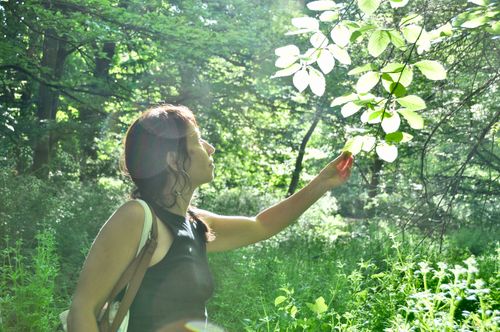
(201, 168)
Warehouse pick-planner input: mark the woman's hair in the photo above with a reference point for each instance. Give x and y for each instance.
(158, 131)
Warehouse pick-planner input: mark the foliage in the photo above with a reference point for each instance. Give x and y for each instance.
(28, 286)
(393, 33)
(353, 283)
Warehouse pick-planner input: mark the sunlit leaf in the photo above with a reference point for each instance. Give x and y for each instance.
(433, 70)
(340, 35)
(301, 79)
(368, 143)
(475, 22)
(279, 299)
(398, 3)
(414, 119)
(353, 145)
(387, 152)
(368, 6)
(349, 109)
(321, 5)
(393, 67)
(287, 71)
(411, 19)
(285, 62)
(329, 16)
(305, 22)
(412, 32)
(288, 50)
(317, 81)
(326, 62)
(391, 124)
(479, 2)
(405, 77)
(319, 306)
(367, 81)
(378, 42)
(319, 40)
(343, 99)
(396, 39)
(412, 102)
(311, 56)
(362, 69)
(340, 54)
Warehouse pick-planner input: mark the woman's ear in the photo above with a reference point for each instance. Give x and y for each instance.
(172, 160)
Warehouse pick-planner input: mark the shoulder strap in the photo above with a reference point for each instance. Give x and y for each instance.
(147, 224)
(133, 274)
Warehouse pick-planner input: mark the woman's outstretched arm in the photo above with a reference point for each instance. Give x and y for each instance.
(237, 231)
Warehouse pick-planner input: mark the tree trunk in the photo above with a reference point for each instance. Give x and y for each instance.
(53, 58)
(91, 120)
(300, 156)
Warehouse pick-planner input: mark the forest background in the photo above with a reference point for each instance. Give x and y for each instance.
(408, 244)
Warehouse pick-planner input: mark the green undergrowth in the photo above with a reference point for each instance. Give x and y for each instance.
(330, 274)
(323, 273)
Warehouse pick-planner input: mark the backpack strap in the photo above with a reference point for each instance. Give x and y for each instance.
(134, 273)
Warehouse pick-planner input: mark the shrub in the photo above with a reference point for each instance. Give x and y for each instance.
(27, 285)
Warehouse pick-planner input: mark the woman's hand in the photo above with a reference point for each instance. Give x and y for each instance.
(337, 171)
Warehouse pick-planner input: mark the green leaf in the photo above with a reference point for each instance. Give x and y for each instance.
(411, 19)
(475, 22)
(433, 70)
(412, 32)
(362, 69)
(412, 102)
(367, 81)
(293, 311)
(394, 137)
(393, 67)
(406, 76)
(494, 28)
(375, 116)
(319, 306)
(378, 42)
(397, 89)
(279, 299)
(368, 6)
(414, 120)
(396, 39)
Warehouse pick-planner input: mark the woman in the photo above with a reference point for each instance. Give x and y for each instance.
(167, 159)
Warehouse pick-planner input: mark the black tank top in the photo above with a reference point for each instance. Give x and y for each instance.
(178, 286)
